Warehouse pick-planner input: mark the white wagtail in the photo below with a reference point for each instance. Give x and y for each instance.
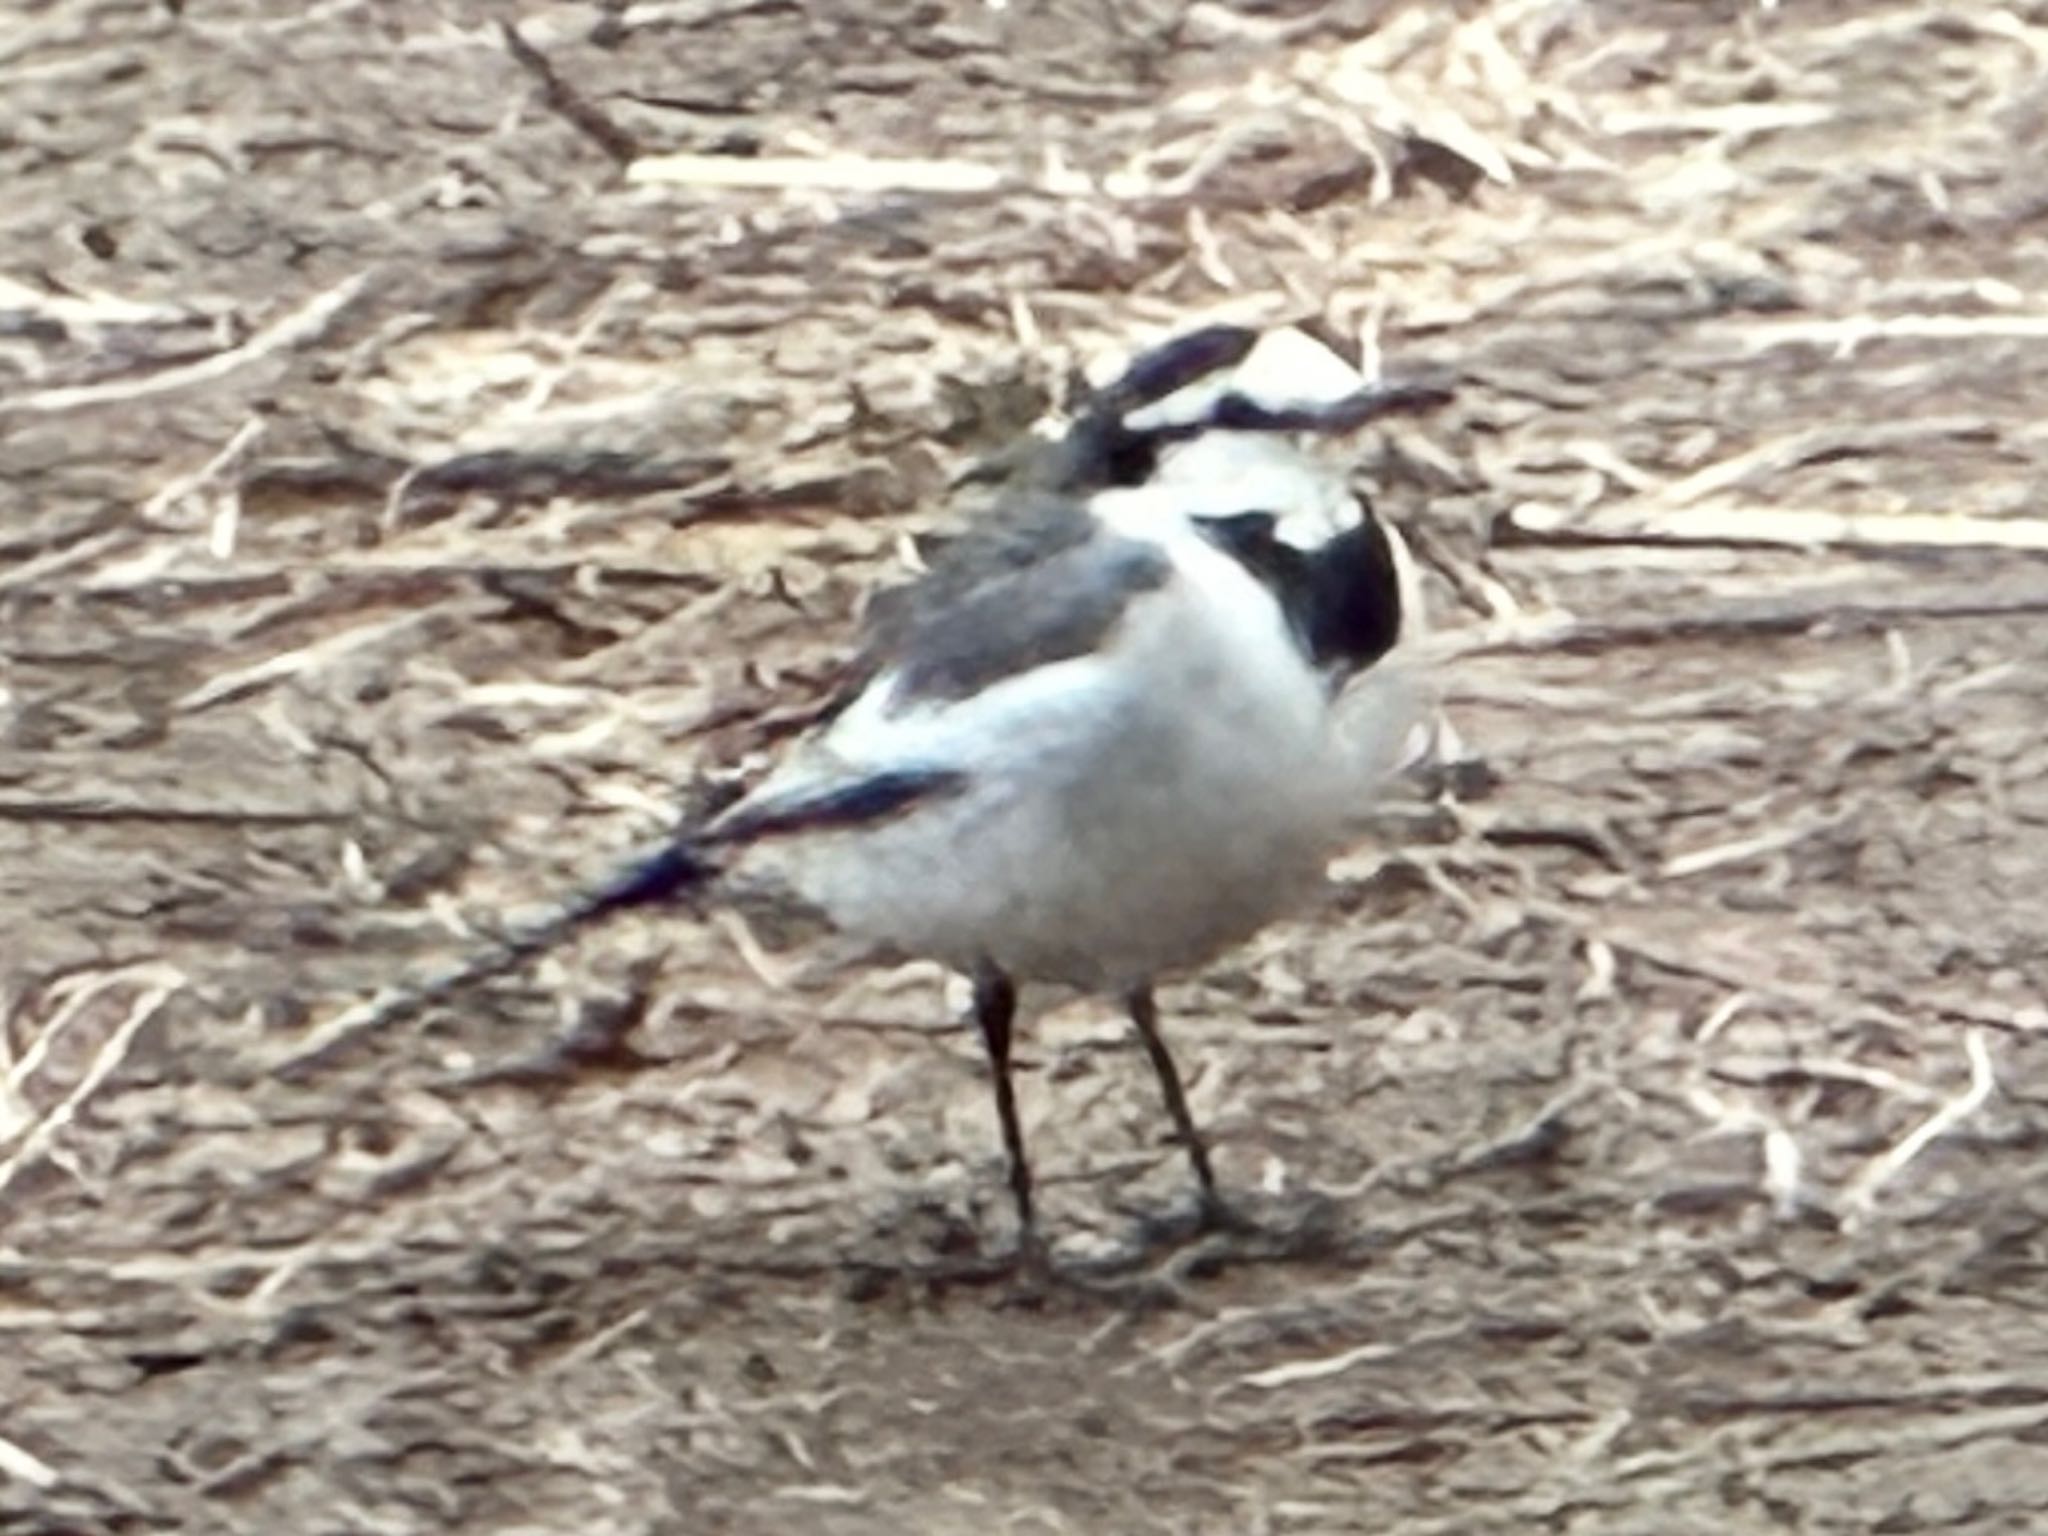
(1100, 740)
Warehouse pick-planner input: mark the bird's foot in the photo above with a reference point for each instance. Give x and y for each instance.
(1214, 1230)
(1032, 1276)
(1213, 1213)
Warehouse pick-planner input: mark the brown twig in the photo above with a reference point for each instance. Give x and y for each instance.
(91, 809)
(1758, 620)
(568, 103)
(307, 323)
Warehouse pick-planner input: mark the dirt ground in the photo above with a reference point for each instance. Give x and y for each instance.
(430, 455)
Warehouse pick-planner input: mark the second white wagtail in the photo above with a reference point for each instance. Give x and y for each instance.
(1104, 737)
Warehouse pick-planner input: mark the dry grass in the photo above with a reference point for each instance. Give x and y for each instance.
(433, 449)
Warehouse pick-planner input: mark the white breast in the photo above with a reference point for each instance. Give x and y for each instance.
(1128, 813)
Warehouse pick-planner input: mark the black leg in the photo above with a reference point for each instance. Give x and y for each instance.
(995, 1010)
(1145, 1014)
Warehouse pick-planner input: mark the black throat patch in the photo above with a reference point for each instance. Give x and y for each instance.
(1342, 599)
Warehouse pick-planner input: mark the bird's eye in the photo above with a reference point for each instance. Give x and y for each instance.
(1132, 461)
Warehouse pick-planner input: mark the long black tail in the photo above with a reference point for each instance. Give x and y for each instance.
(673, 871)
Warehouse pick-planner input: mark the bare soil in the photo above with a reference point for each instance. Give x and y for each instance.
(417, 483)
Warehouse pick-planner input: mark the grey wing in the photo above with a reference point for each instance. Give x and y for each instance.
(1022, 527)
(1034, 583)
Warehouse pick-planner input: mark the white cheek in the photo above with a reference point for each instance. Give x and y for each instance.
(1221, 474)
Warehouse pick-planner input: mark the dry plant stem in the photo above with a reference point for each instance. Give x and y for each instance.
(839, 173)
(1860, 1198)
(19, 1464)
(1762, 619)
(574, 108)
(301, 327)
(44, 1132)
(1786, 527)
